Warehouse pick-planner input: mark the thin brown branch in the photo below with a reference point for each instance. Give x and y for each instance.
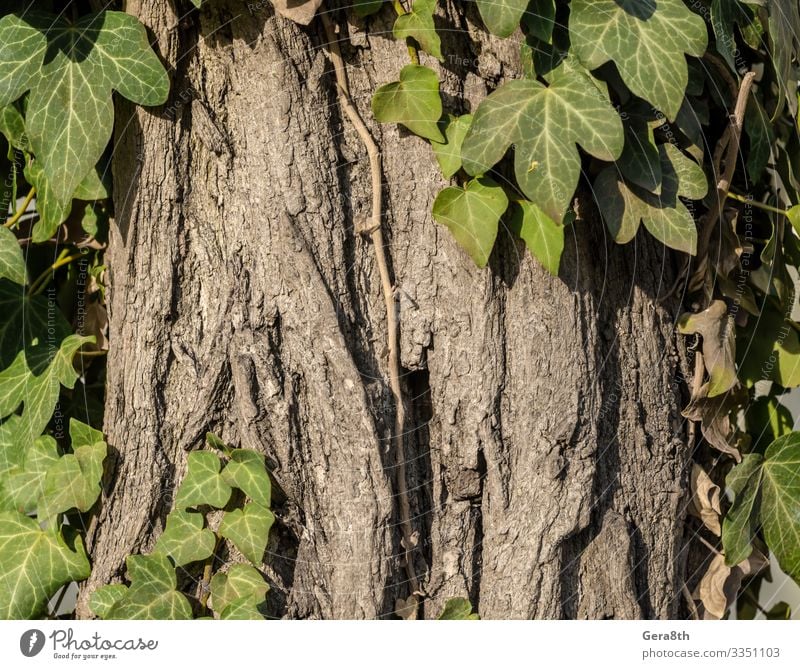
(732, 137)
(387, 287)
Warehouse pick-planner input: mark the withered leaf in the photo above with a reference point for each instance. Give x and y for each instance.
(406, 608)
(713, 413)
(705, 499)
(718, 331)
(720, 584)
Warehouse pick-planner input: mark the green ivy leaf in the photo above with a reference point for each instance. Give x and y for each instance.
(640, 162)
(102, 600)
(624, 206)
(645, 39)
(767, 419)
(23, 473)
(723, 15)
(53, 211)
(541, 234)
(12, 125)
(248, 472)
(784, 28)
(413, 101)
(418, 25)
(184, 539)
(238, 591)
(472, 215)
(248, 529)
(366, 7)
(73, 482)
(448, 155)
(203, 483)
(12, 263)
(458, 608)
(34, 380)
(249, 607)
(770, 350)
(152, 594)
(502, 17)
(544, 123)
(780, 502)
(761, 138)
(34, 564)
(539, 20)
(741, 522)
(71, 71)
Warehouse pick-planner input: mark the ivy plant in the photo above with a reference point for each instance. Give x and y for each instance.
(184, 577)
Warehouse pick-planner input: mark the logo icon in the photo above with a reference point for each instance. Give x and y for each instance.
(31, 643)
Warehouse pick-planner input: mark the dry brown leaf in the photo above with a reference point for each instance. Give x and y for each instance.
(720, 584)
(705, 499)
(713, 413)
(96, 323)
(299, 11)
(407, 608)
(718, 331)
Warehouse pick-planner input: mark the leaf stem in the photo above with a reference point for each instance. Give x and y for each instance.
(413, 51)
(11, 222)
(41, 281)
(208, 568)
(756, 203)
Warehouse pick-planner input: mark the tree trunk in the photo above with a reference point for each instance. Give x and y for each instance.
(547, 459)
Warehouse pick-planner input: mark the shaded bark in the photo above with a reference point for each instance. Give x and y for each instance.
(547, 460)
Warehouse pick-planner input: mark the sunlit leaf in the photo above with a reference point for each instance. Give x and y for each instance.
(647, 40)
(472, 214)
(248, 529)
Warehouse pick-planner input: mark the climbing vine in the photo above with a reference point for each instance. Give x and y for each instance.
(676, 116)
(232, 489)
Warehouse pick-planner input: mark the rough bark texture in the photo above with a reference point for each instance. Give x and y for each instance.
(547, 456)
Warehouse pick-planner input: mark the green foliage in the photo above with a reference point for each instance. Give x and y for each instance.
(69, 72)
(472, 213)
(623, 104)
(646, 40)
(203, 483)
(152, 594)
(37, 484)
(34, 563)
(624, 205)
(418, 24)
(184, 539)
(545, 124)
(767, 490)
(541, 234)
(458, 608)
(247, 471)
(448, 154)
(239, 593)
(188, 546)
(502, 17)
(413, 101)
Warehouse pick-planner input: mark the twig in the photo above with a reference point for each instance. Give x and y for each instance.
(387, 287)
(690, 601)
(208, 569)
(734, 135)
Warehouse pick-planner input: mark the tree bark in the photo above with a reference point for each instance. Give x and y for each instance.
(547, 459)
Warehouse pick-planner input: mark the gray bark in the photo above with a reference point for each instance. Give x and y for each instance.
(547, 457)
